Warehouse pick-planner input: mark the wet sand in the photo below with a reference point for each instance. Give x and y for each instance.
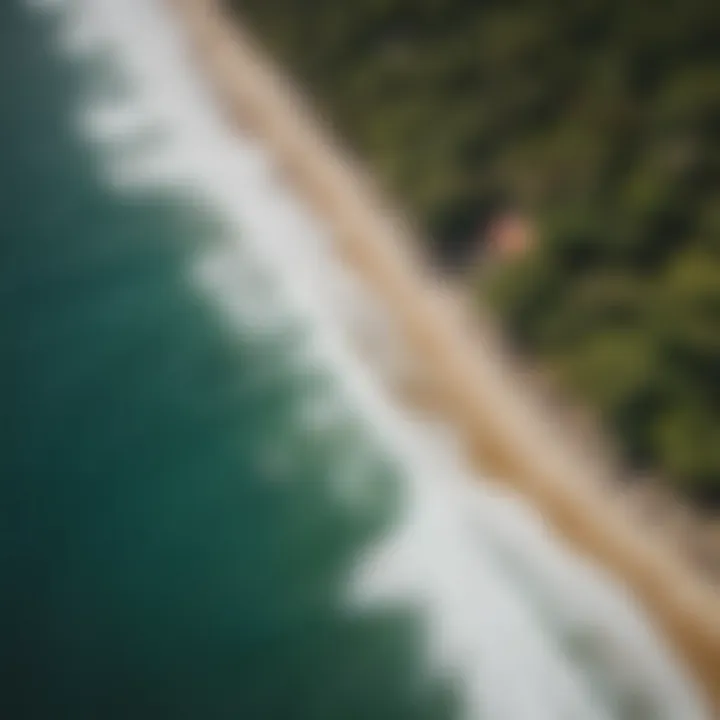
(465, 379)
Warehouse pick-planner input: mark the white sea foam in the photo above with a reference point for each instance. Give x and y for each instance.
(503, 603)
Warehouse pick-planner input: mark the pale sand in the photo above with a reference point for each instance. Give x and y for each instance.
(466, 380)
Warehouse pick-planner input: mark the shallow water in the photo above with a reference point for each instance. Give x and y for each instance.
(209, 508)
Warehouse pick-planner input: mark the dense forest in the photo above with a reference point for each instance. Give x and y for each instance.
(600, 120)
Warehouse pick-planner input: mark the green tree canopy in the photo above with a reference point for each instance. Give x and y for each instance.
(601, 119)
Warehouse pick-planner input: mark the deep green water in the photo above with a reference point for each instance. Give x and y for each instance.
(154, 562)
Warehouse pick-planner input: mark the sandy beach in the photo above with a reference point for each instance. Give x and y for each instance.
(464, 378)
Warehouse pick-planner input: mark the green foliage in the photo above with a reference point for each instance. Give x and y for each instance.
(601, 118)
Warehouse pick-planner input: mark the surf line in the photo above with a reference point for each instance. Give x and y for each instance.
(464, 379)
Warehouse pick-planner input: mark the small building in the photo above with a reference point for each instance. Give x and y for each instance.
(507, 237)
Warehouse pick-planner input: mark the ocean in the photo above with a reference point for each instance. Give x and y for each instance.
(209, 506)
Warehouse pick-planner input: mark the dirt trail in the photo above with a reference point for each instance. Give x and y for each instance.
(465, 378)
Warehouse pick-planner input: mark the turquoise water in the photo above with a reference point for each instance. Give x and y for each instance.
(150, 569)
(200, 519)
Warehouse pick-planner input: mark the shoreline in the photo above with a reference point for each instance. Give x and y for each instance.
(502, 431)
